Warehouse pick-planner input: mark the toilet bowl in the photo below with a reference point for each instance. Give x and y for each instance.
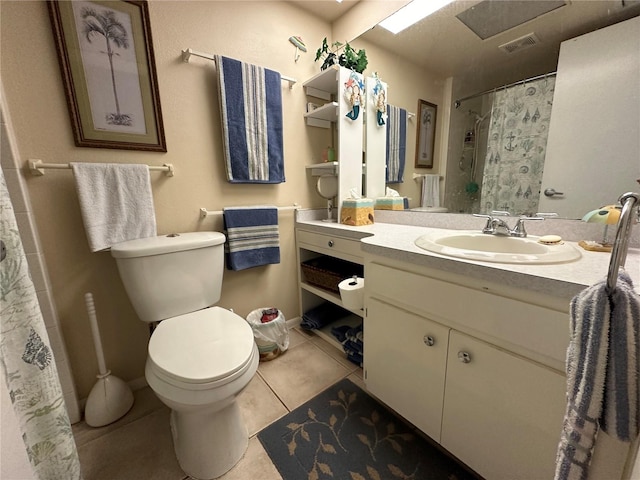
(197, 365)
(200, 357)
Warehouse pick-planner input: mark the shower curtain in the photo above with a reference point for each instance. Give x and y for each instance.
(516, 147)
(27, 360)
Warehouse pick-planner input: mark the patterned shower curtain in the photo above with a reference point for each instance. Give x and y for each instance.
(26, 357)
(516, 148)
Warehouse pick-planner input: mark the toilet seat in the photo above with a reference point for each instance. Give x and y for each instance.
(202, 349)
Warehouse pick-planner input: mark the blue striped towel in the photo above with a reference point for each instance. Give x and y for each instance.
(251, 110)
(602, 374)
(253, 238)
(396, 143)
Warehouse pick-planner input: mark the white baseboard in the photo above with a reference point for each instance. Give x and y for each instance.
(293, 322)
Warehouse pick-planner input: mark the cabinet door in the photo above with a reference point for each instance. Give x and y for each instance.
(502, 414)
(404, 359)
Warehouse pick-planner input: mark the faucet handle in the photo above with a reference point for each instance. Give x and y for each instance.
(500, 213)
(488, 228)
(519, 230)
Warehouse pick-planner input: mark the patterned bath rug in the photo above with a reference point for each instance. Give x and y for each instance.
(344, 434)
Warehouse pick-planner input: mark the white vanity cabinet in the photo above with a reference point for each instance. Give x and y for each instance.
(310, 245)
(463, 365)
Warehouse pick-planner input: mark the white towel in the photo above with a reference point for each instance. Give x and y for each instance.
(430, 191)
(115, 201)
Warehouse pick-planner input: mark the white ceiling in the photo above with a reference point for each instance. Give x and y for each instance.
(443, 45)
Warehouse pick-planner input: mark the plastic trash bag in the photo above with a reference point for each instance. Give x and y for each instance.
(272, 337)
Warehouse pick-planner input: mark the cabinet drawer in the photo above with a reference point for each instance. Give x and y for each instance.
(347, 249)
(532, 327)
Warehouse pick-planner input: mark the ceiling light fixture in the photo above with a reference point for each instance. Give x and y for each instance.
(411, 13)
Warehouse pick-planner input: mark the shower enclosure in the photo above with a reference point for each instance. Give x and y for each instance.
(499, 140)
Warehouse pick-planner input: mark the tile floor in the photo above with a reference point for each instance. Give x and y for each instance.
(139, 445)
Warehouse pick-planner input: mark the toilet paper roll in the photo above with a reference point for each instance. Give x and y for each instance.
(352, 293)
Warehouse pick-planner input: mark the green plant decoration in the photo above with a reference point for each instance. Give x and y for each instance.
(349, 58)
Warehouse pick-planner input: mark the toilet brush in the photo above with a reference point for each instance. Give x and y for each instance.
(110, 398)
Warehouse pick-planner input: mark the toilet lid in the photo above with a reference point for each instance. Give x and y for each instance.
(202, 346)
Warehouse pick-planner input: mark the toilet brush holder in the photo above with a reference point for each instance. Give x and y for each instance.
(110, 398)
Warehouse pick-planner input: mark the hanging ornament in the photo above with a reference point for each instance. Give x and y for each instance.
(353, 91)
(379, 100)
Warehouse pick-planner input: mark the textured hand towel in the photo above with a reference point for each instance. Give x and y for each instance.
(602, 374)
(253, 238)
(251, 110)
(115, 201)
(396, 143)
(430, 191)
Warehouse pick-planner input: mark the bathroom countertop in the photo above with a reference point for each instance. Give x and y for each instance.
(563, 280)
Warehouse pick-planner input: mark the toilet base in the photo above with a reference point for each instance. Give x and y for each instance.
(209, 444)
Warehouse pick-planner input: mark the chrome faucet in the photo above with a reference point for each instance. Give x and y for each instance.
(497, 226)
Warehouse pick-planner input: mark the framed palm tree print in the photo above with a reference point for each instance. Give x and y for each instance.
(108, 68)
(426, 134)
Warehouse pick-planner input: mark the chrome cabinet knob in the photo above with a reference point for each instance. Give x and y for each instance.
(464, 357)
(429, 341)
(330, 243)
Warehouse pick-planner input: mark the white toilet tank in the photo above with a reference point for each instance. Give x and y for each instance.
(170, 275)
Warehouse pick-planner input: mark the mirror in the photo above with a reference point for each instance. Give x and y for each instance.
(452, 51)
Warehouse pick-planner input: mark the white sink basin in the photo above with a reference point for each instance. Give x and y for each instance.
(493, 248)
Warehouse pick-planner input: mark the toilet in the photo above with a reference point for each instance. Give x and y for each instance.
(200, 357)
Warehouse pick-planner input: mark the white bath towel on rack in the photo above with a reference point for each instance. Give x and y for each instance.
(115, 201)
(430, 191)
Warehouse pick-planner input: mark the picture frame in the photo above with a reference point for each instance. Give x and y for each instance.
(426, 134)
(105, 51)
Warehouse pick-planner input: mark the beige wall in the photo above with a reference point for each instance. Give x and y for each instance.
(254, 32)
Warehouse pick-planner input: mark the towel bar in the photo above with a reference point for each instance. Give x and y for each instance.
(186, 55)
(206, 213)
(629, 202)
(416, 176)
(37, 167)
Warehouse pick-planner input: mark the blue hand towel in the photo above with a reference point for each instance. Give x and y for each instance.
(602, 374)
(396, 143)
(253, 238)
(251, 110)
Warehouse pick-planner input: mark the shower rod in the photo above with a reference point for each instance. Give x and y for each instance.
(458, 102)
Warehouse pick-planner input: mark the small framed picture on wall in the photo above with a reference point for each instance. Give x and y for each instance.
(425, 137)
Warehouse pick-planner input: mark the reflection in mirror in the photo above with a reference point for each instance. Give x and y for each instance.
(514, 65)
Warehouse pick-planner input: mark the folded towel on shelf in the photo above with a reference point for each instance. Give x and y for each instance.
(253, 238)
(322, 315)
(351, 340)
(602, 374)
(430, 196)
(116, 202)
(251, 111)
(396, 143)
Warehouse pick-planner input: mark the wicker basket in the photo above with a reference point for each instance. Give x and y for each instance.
(328, 272)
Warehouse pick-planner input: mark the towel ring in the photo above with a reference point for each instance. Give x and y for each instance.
(621, 243)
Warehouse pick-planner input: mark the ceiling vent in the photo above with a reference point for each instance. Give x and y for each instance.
(526, 41)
